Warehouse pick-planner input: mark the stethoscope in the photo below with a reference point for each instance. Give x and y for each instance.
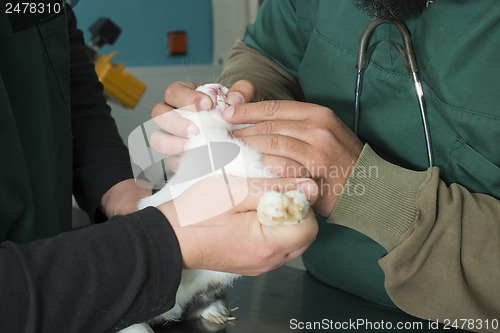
(406, 52)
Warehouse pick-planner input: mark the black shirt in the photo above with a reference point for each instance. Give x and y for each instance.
(98, 279)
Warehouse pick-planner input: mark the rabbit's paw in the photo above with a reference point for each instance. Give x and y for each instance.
(277, 208)
(218, 313)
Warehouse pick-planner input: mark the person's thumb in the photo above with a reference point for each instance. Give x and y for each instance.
(243, 91)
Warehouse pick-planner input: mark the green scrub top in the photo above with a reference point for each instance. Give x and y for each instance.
(35, 126)
(456, 45)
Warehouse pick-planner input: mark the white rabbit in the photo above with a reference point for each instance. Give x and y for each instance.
(201, 292)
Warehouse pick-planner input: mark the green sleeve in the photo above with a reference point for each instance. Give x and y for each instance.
(439, 236)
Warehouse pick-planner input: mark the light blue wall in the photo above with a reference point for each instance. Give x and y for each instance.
(144, 25)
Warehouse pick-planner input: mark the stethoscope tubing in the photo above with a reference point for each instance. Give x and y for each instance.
(410, 63)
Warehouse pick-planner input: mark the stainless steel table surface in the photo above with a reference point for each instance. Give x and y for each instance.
(281, 300)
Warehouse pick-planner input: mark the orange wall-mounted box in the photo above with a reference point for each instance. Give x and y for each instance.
(177, 43)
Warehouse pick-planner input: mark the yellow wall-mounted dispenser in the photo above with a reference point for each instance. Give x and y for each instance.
(118, 84)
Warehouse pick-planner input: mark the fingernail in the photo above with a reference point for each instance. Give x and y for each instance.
(234, 98)
(206, 104)
(193, 130)
(307, 187)
(229, 112)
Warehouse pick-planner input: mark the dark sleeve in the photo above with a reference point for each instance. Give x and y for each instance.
(98, 279)
(100, 159)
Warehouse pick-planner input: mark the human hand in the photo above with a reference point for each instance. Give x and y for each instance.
(122, 198)
(235, 241)
(183, 93)
(300, 139)
(173, 136)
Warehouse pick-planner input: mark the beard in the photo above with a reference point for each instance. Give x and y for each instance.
(391, 9)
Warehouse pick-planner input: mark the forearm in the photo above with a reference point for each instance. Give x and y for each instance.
(442, 242)
(96, 279)
(246, 63)
(101, 160)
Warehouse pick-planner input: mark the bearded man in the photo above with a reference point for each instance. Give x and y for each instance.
(396, 231)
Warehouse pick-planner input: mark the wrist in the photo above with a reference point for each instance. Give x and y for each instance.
(186, 237)
(337, 181)
(122, 198)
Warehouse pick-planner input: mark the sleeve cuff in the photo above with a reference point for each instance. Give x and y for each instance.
(156, 239)
(91, 183)
(379, 199)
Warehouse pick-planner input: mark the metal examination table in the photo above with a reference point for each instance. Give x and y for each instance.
(271, 302)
